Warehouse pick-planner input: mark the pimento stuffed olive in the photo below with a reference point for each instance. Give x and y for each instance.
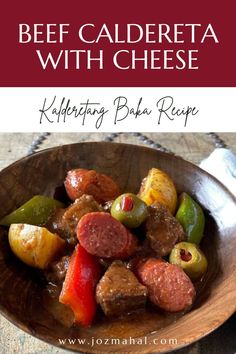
(189, 257)
(129, 210)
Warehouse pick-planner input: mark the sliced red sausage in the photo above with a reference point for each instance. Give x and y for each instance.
(81, 181)
(168, 286)
(103, 236)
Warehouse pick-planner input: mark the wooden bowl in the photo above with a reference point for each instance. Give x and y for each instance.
(21, 289)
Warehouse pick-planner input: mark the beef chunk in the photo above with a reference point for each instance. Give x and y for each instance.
(119, 292)
(56, 273)
(54, 224)
(163, 230)
(64, 221)
(83, 205)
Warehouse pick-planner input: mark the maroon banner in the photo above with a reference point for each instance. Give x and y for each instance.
(123, 43)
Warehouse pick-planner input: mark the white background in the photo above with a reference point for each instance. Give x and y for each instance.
(20, 109)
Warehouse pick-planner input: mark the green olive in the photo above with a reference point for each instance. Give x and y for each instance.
(129, 210)
(189, 257)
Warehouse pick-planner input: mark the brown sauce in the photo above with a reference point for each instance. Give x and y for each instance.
(141, 322)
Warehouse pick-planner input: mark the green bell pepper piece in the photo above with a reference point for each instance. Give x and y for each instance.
(191, 217)
(34, 212)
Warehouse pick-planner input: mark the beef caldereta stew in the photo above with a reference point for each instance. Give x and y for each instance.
(112, 252)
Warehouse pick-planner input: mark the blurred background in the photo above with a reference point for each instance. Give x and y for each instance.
(191, 146)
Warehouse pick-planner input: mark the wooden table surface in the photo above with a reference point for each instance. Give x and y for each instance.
(192, 146)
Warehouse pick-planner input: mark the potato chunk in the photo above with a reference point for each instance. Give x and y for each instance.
(158, 187)
(34, 245)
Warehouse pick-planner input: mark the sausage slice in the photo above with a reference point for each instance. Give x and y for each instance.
(105, 237)
(168, 286)
(81, 181)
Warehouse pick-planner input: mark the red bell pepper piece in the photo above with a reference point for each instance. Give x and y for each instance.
(78, 291)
